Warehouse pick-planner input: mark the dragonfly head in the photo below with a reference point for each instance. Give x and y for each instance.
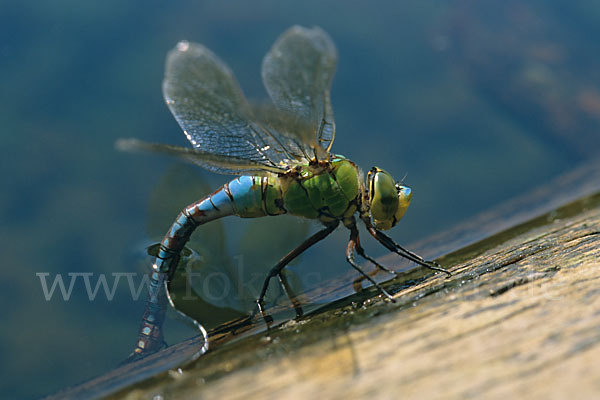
(388, 200)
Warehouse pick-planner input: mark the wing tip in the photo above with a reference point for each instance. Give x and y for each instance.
(128, 144)
(182, 46)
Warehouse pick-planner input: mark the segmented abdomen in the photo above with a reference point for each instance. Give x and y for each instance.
(246, 196)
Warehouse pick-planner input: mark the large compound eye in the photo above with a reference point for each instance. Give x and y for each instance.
(383, 197)
(404, 197)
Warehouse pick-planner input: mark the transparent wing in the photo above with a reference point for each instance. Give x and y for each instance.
(217, 163)
(297, 73)
(285, 126)
(208, 104)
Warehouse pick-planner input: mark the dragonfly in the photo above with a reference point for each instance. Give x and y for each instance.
(281, 152)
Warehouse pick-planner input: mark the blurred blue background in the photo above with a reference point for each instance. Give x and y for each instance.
(475, 102)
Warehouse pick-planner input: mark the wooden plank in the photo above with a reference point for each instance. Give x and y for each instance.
(520, 320)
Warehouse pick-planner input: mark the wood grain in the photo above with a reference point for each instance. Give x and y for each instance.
(520, 320)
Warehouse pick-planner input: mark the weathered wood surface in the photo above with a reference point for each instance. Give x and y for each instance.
(520, 320)
(576, 184)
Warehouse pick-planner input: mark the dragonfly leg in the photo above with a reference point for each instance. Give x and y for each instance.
(276, 270)
(354, 244)
(394, 247)
(361, 252)
(290, 293)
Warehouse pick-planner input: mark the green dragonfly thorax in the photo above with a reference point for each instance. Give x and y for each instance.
(324, 190)
(387, 199)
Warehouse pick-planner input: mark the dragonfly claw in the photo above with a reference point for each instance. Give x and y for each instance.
(266, 317)
(437, 267)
